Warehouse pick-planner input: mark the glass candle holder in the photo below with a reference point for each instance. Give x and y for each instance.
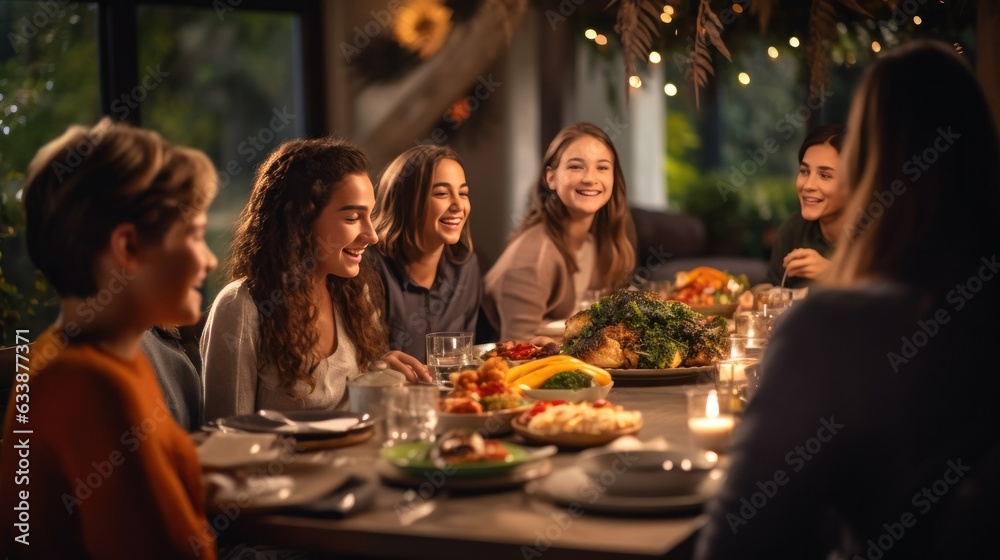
(743, 346)
(710, 421)
(734, 381)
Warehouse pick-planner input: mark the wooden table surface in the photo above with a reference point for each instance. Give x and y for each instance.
(498, 524)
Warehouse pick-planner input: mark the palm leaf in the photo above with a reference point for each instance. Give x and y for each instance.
(708, 31)
(853, 4)
(822, 32)
(636, 27)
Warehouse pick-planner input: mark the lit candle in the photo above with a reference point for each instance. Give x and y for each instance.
(713, 430)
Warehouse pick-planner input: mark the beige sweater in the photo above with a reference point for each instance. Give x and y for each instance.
(530, 284)
(234, 384)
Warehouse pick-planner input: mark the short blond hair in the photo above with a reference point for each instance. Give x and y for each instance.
(82, 185)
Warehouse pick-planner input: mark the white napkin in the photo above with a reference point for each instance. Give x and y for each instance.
(331, 425)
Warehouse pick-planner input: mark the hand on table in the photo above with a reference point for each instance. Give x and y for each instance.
(805, 263)
(409, 366)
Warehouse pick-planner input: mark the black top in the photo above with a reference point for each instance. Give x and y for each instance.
(412, 311)
(795, 233)
(872, 429)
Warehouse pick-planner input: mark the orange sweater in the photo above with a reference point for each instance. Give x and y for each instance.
(107, 471)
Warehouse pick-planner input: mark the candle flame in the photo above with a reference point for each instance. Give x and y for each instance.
(712, 405)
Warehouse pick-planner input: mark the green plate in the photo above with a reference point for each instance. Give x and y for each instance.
(412, 458)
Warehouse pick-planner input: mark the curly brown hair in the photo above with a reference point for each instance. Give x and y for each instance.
(274, 251)
(401, 198)
(612, 227)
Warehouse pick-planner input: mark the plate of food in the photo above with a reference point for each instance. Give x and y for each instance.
(709, 291)
(576, 425)
(664, 373)
(633, 333)
(481, 400)
(461, 453)
(515, 351)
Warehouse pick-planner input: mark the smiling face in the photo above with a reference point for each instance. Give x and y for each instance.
(344, 229)
(817, 187)
(173, 270)
(584, 177)
(447, 207)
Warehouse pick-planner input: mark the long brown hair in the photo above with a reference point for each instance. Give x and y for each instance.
(922, 223)
(274, 251)
(401, 198)
(612, 223)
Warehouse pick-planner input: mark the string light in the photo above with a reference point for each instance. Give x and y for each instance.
(737, 8)
(917, 20)
(794, 42)
(670, 89)
(876, 46)
(654, 57)
(635, 82)
(744, 78)
(666, 18)
(772, 52)
(590, 34)
(959, 48)
(668, 9)
(601, 40)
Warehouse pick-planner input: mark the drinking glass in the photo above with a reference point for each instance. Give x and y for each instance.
(774, 301)
(734, 381)
(753, 324)
(743, 346)
(411, 414)
(447, 353)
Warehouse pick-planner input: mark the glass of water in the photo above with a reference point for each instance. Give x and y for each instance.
(411, 414)
(448, 352)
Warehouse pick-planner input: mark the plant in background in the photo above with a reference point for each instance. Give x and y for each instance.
(18, 308)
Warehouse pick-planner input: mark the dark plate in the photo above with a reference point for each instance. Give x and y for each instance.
(257, 423)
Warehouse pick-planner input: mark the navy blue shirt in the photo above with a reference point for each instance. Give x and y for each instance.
(412, 311)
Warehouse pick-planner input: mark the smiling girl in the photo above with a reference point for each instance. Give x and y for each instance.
(120, 236)
(424, 256)
(806, 240)
(300, 317)
(574, 238)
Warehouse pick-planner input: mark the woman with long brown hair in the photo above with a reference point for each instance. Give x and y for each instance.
(574, 238)
(425, 258)
(300, 316)
(873, 430)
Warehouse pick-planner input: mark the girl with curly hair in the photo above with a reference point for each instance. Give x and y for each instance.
(574, 238)
(424, 255)
(300, 317)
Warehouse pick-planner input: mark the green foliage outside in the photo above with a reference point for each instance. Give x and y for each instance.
(217, 85)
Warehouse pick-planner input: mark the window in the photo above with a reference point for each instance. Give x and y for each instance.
(233, 78)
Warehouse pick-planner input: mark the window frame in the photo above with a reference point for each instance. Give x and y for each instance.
(118, 43)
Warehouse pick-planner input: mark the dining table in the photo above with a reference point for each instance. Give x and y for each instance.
(482, 525)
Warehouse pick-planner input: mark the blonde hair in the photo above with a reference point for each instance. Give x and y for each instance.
(921, 154)
(82, 185)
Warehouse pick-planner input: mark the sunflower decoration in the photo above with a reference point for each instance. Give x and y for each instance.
(421, 26)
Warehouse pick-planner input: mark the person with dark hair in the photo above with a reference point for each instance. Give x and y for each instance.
(576, 237)
(806, 239)
(300, 317)
(860, 441)
(116, 221)
(425, 257)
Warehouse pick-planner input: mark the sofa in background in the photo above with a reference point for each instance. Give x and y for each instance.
(670, 242)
